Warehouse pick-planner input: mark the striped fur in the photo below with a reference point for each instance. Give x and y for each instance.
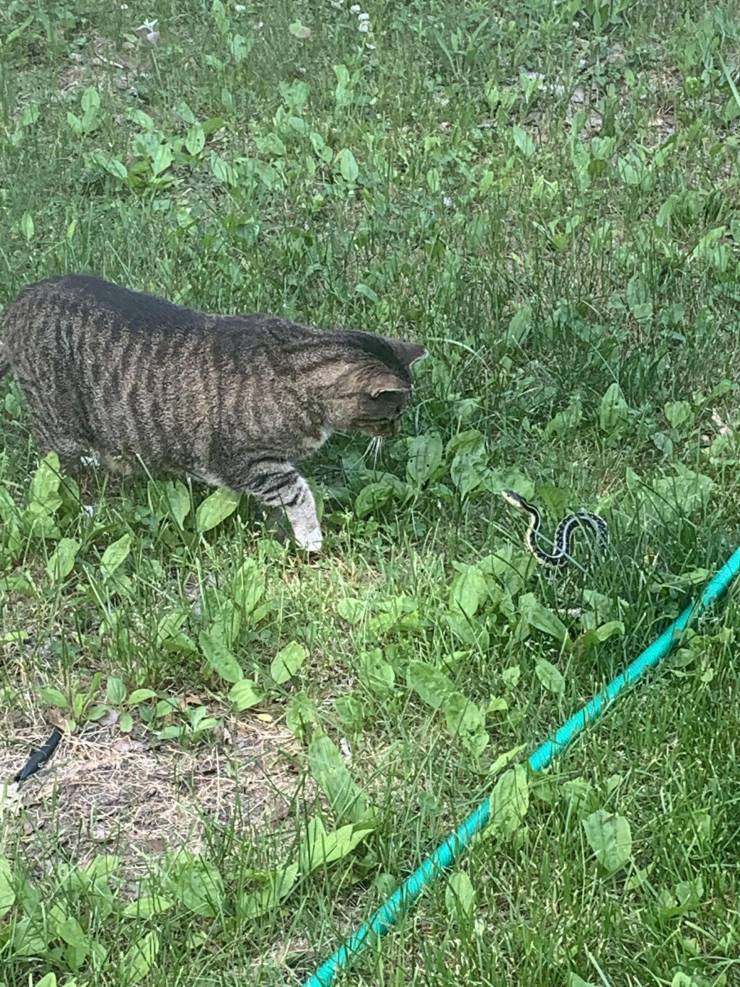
(233, 400)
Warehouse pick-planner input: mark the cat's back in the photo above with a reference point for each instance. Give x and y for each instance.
(80, 304)
(84, 301)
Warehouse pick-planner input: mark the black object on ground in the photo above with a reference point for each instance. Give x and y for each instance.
(39, 758)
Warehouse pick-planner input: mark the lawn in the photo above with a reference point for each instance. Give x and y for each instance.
(258, 748)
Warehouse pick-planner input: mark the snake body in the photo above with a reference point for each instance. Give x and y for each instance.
(560, 554)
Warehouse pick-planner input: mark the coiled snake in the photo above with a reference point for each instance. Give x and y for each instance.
(560, 554)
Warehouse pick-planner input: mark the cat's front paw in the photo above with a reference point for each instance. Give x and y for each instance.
(309, 541)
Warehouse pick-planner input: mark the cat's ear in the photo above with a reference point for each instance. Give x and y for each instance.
(387, 383)
(409, 353)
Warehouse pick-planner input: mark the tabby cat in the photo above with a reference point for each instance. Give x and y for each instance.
(231, 400)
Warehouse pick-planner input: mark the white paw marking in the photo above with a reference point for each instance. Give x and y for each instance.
(309, 541)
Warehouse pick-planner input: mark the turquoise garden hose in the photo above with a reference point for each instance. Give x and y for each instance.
(447, 852)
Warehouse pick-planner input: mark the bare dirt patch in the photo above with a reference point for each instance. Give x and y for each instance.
(106, 792)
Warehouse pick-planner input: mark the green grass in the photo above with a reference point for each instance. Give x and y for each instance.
(546, 194)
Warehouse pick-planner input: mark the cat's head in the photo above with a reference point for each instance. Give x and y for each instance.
(372, 392)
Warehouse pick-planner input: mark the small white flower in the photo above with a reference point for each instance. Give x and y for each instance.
(153, 37)
(447, 201)
(124, 6)
(355, 8)
(364, 26)
(239, 8)
(363, 17)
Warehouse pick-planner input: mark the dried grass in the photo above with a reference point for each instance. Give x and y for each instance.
(106, 792)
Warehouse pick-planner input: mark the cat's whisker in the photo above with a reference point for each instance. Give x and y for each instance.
(377, 445)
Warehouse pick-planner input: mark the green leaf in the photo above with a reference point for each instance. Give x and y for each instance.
(162, 159)
(279, 883)
(346, 798)
(115, 555)
(679, 413)
(90, 99)
(199, 886)
(71, 932)
(639, 299)
(195, 140)
(27, 226)
(471, 633)
(215, 509)
(549, 676)
(115, 690)
(506, 758)
(345, 160)
(523, 141)
(367, 292)
(610, 838)
(372, 497)
(351, 610)
(589, 641)
(510, 676)
(299, 30)
(110, 164)
(510, 800)
(575, 981)
(432, 686)
(140, 696)
(301, 716)
(248, 586)
(520, 325)
(613, 410)
(62, 561)
(43, 493)
(375, 672)
(49, 980)
(223, 171)
(565, 422)
(177, 498)
(287, 662)
(466, 721)
(53, 697)
(469, 590)
(677, 494)
(425, 455)
(320, 847)
(543, 619)
(171, 638)
(218, 656)
(139, 959)
(29, 939)
(468, 471)
(611, 628)
(146, 906)
(460, 897)
(7, 890)
(245, 694)
(579, 793)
